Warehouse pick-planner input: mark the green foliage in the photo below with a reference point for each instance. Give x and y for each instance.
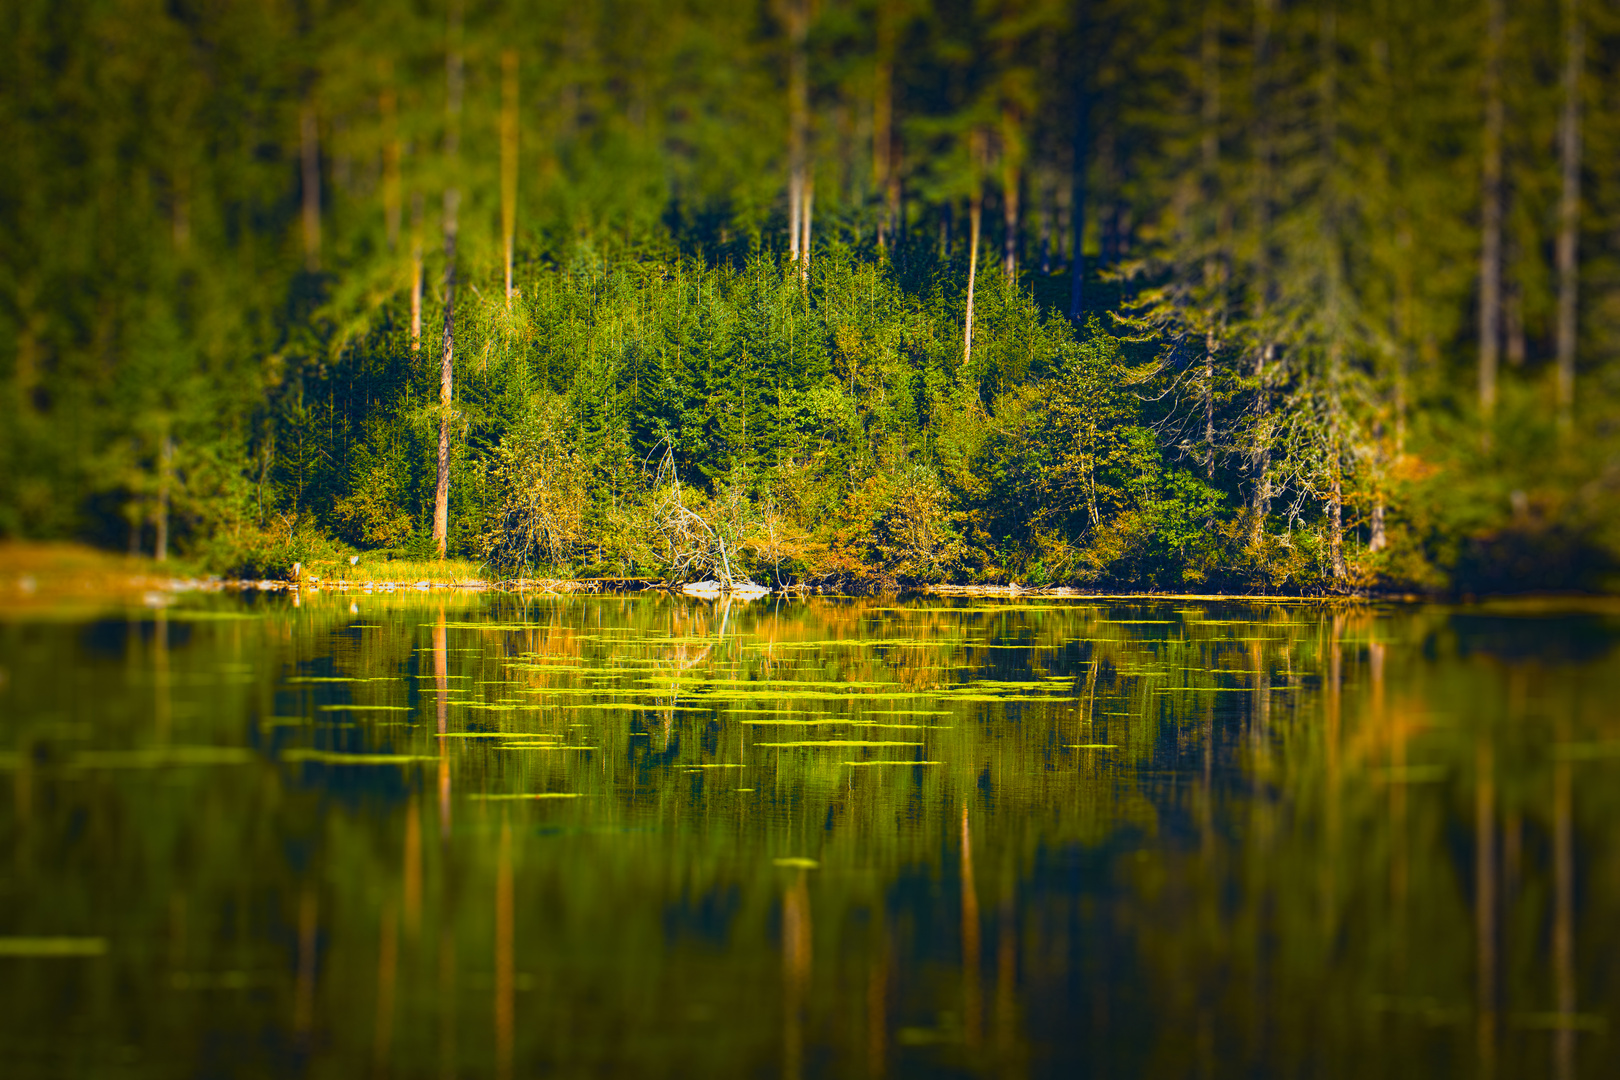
(1224, 312)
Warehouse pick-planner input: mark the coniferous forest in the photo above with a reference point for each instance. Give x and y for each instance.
(1255, 295)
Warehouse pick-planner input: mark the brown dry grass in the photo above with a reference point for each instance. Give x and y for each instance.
(52, 577)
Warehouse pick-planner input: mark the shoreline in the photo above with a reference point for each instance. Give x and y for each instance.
(36, 576)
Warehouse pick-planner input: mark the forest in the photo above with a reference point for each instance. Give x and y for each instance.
(1277, 296)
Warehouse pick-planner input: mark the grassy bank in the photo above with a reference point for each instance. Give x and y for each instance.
(380, 569)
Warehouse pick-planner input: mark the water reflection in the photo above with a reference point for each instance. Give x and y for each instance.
(828, 838)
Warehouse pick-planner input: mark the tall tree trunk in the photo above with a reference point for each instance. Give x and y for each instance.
(452, 202)
(1260, 459)
(416, 272)
(975, 222)
(1335, 291)
(1490, 248)
(798, 20)
(309, 144)
(1569, 213)
(509, 159)
(795, 209)
(805, 218)
(1211, 155)
(1210, 345)
(1260, 454)
(975, 217)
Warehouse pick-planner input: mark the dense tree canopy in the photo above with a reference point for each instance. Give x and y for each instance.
(1238, 294)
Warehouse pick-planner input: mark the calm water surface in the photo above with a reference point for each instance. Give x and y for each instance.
(412, 835)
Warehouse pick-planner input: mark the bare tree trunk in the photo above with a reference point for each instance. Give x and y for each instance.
(509, 160)
(1336, 517)
(1210, 345)
(1260, 454)
(1569, 213)
(1490, 249)
(975, 221)
(795, 209)
(1335, 299)
(309, 140)
(1211, 154)
(975, 216)
(798, 20)
(416, 272)
(804, 220)
(452, 201)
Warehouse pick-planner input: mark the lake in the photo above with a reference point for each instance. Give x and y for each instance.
(423, 834)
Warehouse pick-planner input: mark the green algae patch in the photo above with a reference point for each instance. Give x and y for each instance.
(903, 712)
(863, 764)
(1091, 746)
(840, 742)
(365, 708)
(796, 862)
(52, 947)
(632, 706)
(285, 721)
(523, 796)
(768, 684)
(331, 757)
(1005, 698)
